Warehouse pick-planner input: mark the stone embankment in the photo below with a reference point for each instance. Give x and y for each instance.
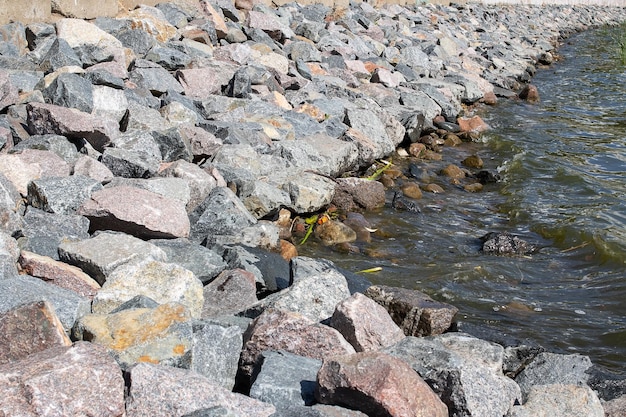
(152, 169)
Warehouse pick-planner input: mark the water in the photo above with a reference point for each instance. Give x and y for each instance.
(563, 161)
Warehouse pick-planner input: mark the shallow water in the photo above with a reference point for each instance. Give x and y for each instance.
(563, 163)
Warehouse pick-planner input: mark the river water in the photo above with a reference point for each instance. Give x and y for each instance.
(563, 164)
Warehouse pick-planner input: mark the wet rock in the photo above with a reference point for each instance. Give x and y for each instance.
(355, 194)
(465, 372)
(505, 244)
(365, 324)
(559, 400)
(182, 392)
(487, 177)
(415, 312)
(61, 195)
(453, 172)
(58, 273)
(292, 332)
(43, 232)
(346, 380)
(28, 329)
(24, 289)
(332, 232)
(160, 335)
(163, 282)
(401, 203)
(473, 161)
(472, 124)
(215, 354)
(231, 292)
(63, 378)
(551, 368)
(285, 379)
(50, 119)
(473, 188)
(411, 190)
(100, 255)
(137, 212)
(529, 93)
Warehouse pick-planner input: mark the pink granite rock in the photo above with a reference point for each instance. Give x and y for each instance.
(365, 324)
(29, 329)
(200, 83)
(31, 164)
(81, 380)
(377, 384)
(135, 211)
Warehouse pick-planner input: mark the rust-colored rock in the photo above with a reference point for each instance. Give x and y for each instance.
(377, 384)
(411, 190)
(453, 172)
(276, 329)
(529, 93)
(288, 250)
(415, 312)
(29, 329)
(472, 124)
(58, 273)
(473, 188)
(135, 211)
(365, 324)
(473, 161)
(81, 380)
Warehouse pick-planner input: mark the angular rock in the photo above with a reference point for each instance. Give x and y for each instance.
(72, 91)
(201, 83)
(163, 282)
(332, 232)
(130, 164)
(275, 330)
(376, 384)
(24, 289)
(172, 145)
(91, 44)
(174, 188)
(58, 273)
(50, 119)
(63, 195)
(9, 254)
(43, 232)
(216, 351)
(59, 55)
(10, 204)
(221, 213)
(109, 103)
(269, 24)
(137, 212)
(180, 392)
(365, 324)
(92, 168)
(561, 400)
(154, 78)
(416, 313)
(369, 134)
(312, 296)
(31, 164)
(29, 329)
(310, 192)
(205, 263)
(101, 254)
(285, 379)
(153, 21)
(60, 145)
(231, 292)
(199, 180)
(356, 194)
(63, 378)
(552, 368)
(160, 335)
(464, 371)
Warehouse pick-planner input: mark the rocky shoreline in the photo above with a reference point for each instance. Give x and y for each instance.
(158, 170)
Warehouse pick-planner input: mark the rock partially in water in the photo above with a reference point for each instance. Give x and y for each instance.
(497, 243)
(401, 203)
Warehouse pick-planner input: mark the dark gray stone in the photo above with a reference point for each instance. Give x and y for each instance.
(153, 77)
(42, 232)
(216, 352)
(70, 90)
(62, 195)
(58, 144)
(130, 164)
(26, 80)
(105, 78)
(139, 301)
(173, 145)
(205, 263)
(240, 86)
(169, 58)
(505, 244)
(59, 55)
(138, 40)
(285, 379)
(174, 14)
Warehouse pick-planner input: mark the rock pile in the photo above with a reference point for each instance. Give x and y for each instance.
(150, 167)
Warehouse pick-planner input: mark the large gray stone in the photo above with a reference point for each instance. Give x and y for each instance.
(62, 195)
(153, 77)
(216, 352)
(130, 164)
(286, 379)
(70, 90)
(205, 263)
(231, 292)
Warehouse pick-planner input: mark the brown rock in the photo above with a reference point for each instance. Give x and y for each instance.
(231, 292)
(160, 335)
(416, 149)
(59, 273)
(529, 93)
(473, 188)
(290, 331)
(356, 194)
(358, 223)
(377, 384)
(450, 139)
(473, 161)
(415, 312)
(288, 250)
(472, 124)
(412, 190)
(164, 391)
(333, 232)
(71, 123)
(454, 172)
(81, 380)
(137, 212)
(431, 155)
(434, 188)
(365, 324)
(29, 329)
(615, 407)
(490, 98)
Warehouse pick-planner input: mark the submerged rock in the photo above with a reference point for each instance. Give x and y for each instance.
(496, 243)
